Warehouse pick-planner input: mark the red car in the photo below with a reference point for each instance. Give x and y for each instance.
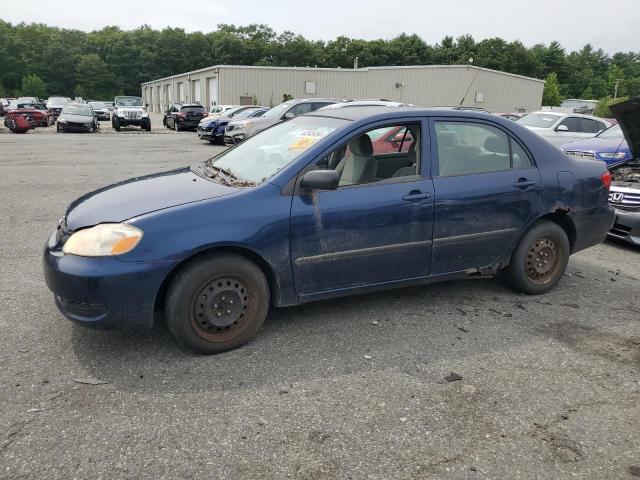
(36, 114)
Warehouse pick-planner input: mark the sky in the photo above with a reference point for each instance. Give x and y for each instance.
(611, 25)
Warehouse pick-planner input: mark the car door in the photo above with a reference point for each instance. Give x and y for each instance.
(371, 231)
(486, 190)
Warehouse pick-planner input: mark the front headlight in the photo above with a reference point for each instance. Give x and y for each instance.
(61, 120)
(617, 155)
(103, 240)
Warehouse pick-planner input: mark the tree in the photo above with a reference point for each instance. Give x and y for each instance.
(602, 110)
(551, 96)
(33, 86)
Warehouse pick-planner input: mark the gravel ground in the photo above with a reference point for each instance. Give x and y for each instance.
(350, 388)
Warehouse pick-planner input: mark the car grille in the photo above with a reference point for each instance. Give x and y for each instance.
(83, 309)
(77, 125)
(580, 154)
(624, 200)
(132, 114)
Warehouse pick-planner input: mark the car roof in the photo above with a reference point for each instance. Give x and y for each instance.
(358, 113)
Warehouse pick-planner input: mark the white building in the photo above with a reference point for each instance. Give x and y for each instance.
(425, 86)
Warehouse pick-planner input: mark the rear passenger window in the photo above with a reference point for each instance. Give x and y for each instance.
(588, 126)
(467, 148)
(571, 123)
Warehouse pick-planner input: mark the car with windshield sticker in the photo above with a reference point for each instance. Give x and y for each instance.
(307, 210)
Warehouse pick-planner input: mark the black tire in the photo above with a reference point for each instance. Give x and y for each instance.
(539, 260)
(176, 127)
(217, 303)
(147, 125)
(116, 124)
(58, 128)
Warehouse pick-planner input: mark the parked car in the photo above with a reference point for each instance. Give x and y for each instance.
(36, 113)
(285, 218)
(77, 117)
(184, 116)
(4, 103)
(212, 128)
(130, 110)
(625, 185)
(56, 103)
(560, 128)
(101, 110)
(236, 132)
(608, 146)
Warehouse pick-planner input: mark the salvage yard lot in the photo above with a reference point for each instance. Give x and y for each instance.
(349, 388)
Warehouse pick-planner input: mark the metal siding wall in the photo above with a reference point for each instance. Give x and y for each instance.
(423, 86)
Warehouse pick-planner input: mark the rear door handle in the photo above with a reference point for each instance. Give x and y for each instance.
(416, 195)
(524, 183)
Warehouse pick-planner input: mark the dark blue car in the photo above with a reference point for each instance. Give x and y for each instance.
(212, 128)
(608, 146)
(306, 211)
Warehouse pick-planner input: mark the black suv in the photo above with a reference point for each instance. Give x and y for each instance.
(184, 116)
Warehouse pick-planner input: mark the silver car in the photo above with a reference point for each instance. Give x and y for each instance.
(236, 132)
(560, 128)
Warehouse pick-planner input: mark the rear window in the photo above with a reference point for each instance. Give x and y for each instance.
(193, 109)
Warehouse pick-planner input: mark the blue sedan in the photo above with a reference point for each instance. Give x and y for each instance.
(608, 146)
(307, 210)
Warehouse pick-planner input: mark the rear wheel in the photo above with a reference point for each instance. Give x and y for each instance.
(217, 303)
(540, 259)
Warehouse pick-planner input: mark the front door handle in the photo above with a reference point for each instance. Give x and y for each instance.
(524, 183)
(415, 195)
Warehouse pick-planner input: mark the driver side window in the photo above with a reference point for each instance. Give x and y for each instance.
(382, 154)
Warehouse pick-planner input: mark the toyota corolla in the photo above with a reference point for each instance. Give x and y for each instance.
(306, 210)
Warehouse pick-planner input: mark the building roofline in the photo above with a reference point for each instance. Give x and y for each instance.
(357, 70)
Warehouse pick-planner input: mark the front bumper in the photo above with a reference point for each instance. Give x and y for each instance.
(103, 292)
(626, 226)
(139, 122)
(76, 128)
(233, 139)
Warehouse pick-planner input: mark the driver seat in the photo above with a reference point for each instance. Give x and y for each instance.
(359, 167)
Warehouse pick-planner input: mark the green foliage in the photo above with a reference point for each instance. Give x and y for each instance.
(33, 86)
(551, 97)
(286, 96)
(105, 62)
(602, 110)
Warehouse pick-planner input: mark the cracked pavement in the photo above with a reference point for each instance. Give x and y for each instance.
(348, 388)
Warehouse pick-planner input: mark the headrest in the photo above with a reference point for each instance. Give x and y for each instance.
(495, 144)
(361, 146)
(448, 139)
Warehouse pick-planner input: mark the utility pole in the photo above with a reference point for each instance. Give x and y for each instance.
(615, 90)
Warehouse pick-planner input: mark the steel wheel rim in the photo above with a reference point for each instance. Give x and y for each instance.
(219, 311)
(543, 260)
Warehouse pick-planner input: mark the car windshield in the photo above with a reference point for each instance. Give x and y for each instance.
(83, 110)
(98, 105)
(193, 109)
(128, 101)
(278, 110)
(33, 106)
(57, 102)
(612, 132)
(261, 156)
(243, 114)
(542, 120)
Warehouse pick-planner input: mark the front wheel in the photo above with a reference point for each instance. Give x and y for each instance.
(540, 259)
(147, 125)
(217, 303)
(175, 126)
(116, 124)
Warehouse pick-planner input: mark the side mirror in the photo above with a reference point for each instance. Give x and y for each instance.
(288, 116)
(562, 128)
(320, 180)
(400, 136)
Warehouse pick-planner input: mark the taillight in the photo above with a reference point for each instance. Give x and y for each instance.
(606, 179)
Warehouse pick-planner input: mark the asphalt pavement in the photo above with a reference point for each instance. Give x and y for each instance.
(463, 380)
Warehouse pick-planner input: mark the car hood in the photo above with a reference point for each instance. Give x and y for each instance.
(595, 145)
(262, 121)
(68, 117)
(628, 116)
(137, 196)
